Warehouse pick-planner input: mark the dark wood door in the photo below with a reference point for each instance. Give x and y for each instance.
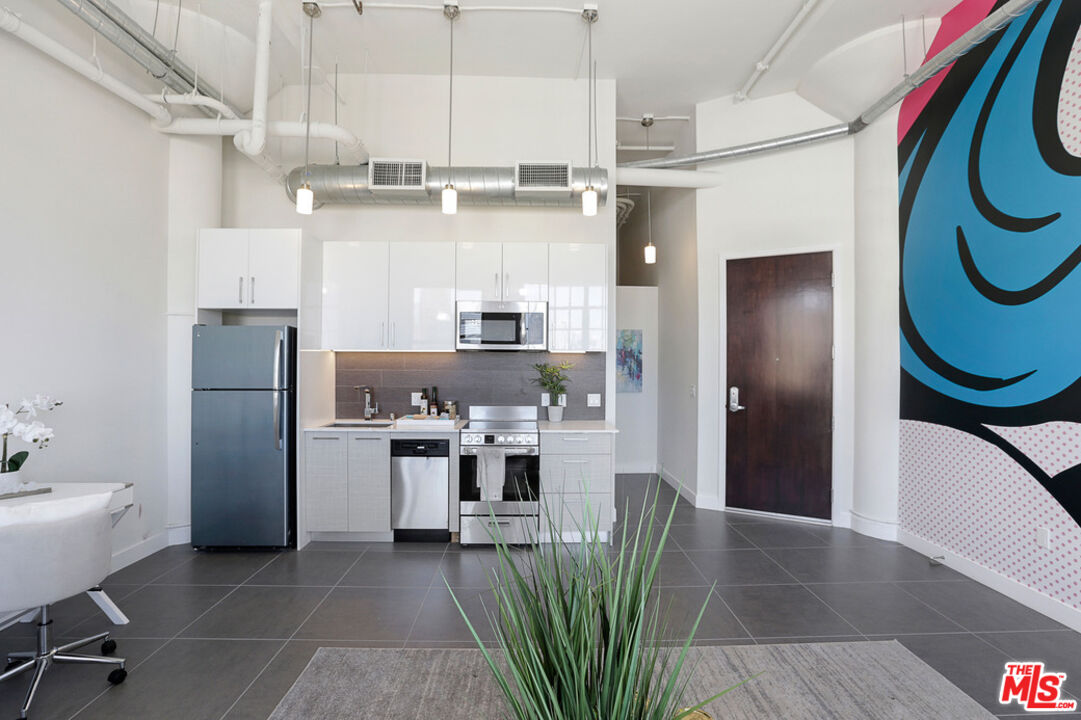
(780, 356)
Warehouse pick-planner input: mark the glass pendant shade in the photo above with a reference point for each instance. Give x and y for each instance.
(450, 200)
(651, 254)
(305, 199)
(589, 202)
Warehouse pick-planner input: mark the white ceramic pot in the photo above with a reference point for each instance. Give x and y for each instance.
(10, 482)
(555, 413)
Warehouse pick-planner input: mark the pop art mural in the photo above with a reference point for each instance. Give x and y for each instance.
(989, 160)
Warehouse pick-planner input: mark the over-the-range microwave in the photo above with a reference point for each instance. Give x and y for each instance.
(502, 325)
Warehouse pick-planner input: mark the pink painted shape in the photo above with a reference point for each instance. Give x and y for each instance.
(954, 24)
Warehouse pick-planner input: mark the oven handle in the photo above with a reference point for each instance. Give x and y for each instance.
(521, 451)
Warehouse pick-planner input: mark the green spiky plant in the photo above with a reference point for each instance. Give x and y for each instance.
(579, 636)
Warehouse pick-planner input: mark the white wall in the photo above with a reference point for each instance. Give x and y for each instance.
(636, 413)
(878, 360)
(675, 234)
(498, 121)
(790, 202)
(84, 206)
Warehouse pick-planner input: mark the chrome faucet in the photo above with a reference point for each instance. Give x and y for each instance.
(368, 409)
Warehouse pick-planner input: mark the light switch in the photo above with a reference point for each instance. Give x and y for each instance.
(1043, 537)
(546, 400)
(414, 399)
(593, 399)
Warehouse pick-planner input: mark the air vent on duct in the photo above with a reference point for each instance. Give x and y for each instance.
(397, 175)
(542, 179)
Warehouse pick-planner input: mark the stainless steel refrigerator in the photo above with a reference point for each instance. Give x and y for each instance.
(243, 426)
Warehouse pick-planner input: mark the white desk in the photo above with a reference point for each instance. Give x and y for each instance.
(122, 499)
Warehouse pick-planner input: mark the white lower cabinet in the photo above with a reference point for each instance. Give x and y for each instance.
(369, 482)
(348, 481)
(577, 483)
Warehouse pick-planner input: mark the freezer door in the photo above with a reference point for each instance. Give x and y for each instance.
(242, 357)
(242, 478)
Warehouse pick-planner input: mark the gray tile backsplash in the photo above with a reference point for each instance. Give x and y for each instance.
(469, 378)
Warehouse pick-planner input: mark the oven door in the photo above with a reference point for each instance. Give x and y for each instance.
(502, 326)
(499, 480)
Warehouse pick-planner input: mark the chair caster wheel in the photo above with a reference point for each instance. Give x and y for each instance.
(117, 676)
(108, 647)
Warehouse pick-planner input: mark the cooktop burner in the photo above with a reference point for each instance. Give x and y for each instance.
(501, 426)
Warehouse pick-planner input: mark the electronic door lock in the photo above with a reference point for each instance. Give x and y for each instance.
(733, 400)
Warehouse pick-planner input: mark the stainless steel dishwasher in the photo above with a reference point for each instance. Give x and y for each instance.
(420, 489)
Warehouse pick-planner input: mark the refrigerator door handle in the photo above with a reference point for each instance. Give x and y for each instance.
(277, 360)
(277, 421)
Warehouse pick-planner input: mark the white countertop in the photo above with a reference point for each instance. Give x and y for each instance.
(461, 423)
(577, 426)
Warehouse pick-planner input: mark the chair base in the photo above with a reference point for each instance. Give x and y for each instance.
(45, 656)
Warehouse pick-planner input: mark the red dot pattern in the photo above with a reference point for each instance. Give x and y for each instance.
(1069, 102)
(967, 496)
(1054, 446)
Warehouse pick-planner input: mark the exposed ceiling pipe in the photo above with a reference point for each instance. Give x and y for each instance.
(349, 143)
(738, 151)
(193, 100)
(647, 177)
(141, 46)
(11, 22)
(253, 140)
(980, 32)
(476, 186)
(764, 64)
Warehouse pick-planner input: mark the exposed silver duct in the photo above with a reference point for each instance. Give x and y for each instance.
(980, 32)
(138, 44)
(477, 186)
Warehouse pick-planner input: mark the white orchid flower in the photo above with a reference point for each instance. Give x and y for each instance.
(8, 421)
(44, 402)
(34, 432)
(27, 407)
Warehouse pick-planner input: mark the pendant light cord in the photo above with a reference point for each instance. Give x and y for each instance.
(450, 105)
(589, 114)
(308, 114)
(649, 214)
(337, 158)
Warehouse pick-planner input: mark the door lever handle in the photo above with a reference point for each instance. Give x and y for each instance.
(733, 400)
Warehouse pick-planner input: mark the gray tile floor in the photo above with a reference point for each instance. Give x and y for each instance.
(224, 635)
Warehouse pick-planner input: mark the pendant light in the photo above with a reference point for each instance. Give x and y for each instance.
(650, 249)
(450, 194)
(589, 195)
(305, 196)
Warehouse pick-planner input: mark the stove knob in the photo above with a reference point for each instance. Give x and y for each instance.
(501, 439)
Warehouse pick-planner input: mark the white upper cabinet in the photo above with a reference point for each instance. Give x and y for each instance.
(480, 271)
(223, 268)
(240, 268)
(421, 295)
(355, 302)
(273, 264)
(525, 272)
(577, 297)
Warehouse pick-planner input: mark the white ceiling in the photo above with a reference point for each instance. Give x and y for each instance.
(665, 55)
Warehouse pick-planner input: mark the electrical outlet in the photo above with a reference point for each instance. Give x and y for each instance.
(694, 391)
(563, 400)
(593, 400)
(1043, 537)
(546, 400)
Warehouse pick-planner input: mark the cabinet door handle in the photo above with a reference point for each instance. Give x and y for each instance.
(362, 437)
(240, 291)
(575, 439)
(506, 284)
(383, 334)
(394, 334)
(495, 285)
(252, 289)
(326, 437)
(576, 462)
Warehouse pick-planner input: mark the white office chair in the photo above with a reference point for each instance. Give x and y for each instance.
(50, 551)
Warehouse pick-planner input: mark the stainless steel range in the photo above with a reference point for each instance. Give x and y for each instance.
(499, 475)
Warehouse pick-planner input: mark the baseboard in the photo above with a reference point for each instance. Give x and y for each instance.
(634, 468)
(138, 551)
(179, 534)
(1049, 606)
(872, 527)
(778, 516)
(685, 492)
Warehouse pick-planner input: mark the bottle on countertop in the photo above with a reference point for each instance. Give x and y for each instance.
(423, 401)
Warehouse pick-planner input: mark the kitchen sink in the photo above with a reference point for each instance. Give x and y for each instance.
(361, 423)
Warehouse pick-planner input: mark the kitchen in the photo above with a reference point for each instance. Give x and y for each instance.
(376, 457)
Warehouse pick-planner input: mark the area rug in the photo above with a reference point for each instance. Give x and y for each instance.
(847, 681)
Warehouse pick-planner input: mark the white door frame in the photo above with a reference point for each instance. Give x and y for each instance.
(839, 504)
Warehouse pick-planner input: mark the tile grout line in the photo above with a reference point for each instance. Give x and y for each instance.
(427, 592)
(713, 591)
(285, 644)
(174, 637)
